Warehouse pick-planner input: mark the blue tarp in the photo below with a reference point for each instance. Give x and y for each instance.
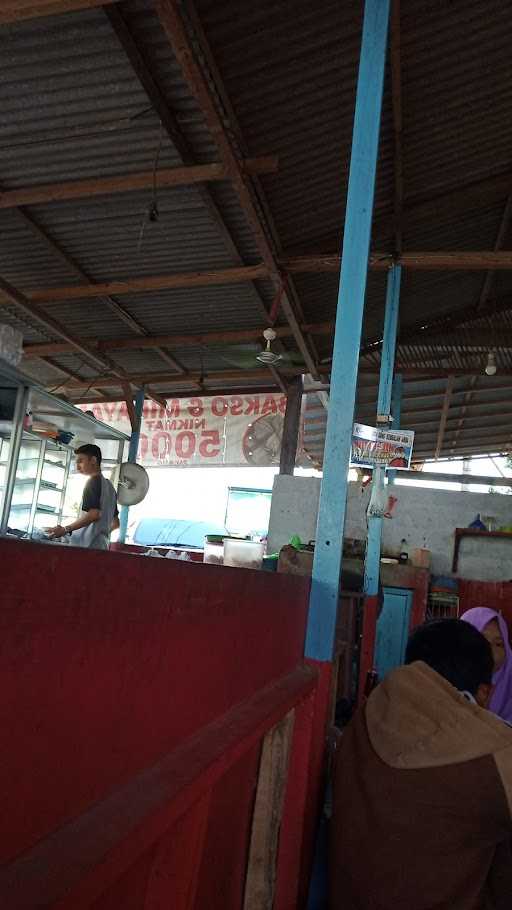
(171, 532)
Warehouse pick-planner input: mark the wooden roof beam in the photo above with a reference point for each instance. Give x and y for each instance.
(478, 261)
(161, 397)
(233, 336)
(170, 16)
(143, 70)
(101, 382)
(55, 327)
(443, 261)
(19, 10)
(236, 275)
(107, 186)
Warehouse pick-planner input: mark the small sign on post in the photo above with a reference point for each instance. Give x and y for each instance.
(372, 448)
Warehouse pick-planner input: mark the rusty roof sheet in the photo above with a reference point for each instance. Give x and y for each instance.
(73, 107)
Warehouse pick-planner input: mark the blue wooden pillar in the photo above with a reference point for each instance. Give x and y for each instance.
(133, 448)
(323, 605)
(396, 412)
(387, 362)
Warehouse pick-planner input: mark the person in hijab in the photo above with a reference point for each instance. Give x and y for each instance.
(494, 628)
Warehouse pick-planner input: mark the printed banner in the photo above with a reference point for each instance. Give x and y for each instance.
(230, 430)
(373, 447)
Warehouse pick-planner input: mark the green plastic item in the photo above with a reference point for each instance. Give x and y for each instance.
(296, 542)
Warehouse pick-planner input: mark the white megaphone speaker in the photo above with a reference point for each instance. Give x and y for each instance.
(132, 482)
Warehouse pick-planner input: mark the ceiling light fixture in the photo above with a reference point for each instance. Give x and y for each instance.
(491, 367)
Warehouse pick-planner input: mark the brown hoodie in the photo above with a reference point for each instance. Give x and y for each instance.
(422, 802)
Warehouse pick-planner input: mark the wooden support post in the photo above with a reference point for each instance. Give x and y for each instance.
(291, 427)
(268, 808)
(444, 415)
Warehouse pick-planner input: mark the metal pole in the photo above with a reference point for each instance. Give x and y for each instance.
(20, 410)
(132, 456)
(396, 413)
(323, 604)
(387, 362)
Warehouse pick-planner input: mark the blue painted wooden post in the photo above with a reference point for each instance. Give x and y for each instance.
(387, 362)
(323, 604)
(132, 456)
(396, 413)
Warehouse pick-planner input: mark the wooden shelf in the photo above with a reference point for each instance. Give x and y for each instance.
(473, 532)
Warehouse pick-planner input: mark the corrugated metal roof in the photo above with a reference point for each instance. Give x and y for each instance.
(73, 107)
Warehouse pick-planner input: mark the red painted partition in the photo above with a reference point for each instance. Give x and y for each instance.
(136, 694)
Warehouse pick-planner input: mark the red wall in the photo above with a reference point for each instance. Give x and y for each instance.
(109, 661)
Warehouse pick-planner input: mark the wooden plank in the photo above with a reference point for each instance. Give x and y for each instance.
(127, 394)
(19, 10)
(19, 300)
(75, 864)
(170, 379)
(237, 275)
(444, 415)
(268, 808)
(174, 875)
(233, 336)
(102, 186)
(42, 234)
(415, 261)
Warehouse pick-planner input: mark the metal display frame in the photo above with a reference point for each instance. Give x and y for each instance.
(63, 413)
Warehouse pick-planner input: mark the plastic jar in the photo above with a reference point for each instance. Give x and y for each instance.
(214, 549)
(243, 554)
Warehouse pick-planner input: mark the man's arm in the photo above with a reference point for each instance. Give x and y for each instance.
(88, 519)
(91, 503)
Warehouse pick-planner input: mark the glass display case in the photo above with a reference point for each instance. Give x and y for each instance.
(38, 434)
(39, 484)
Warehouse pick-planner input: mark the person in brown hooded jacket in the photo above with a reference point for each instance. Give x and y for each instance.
(423, 785)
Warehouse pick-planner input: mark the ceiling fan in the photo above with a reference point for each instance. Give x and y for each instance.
(247, 356)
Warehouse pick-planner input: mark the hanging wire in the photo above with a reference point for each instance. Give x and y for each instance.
(152, 213)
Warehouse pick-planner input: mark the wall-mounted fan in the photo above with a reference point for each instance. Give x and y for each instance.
(132, 482)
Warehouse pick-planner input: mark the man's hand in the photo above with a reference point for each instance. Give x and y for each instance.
(55, 533)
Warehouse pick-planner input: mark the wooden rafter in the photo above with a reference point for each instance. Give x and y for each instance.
(26, 307)
(170, 16)
(446, 261)
(236, 275)
(444, 415)
(233, 336)
(42, 234)
(19, 10)
(239, 274)
(102, 186)
(161, 398)
(103, 382)
(144, 73)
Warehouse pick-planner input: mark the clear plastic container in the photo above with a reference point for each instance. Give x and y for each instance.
(214, 549)
(243, 554)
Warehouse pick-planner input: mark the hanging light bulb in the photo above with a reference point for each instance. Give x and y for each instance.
(490, 368)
